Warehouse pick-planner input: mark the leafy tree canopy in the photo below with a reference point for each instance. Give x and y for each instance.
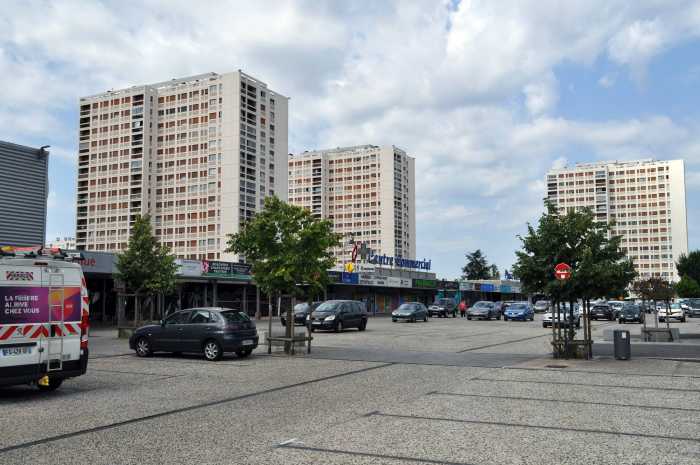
(687, 287)
(477, 267)
(689, 265)
(146, 266)
(286, 246)
(599, 267)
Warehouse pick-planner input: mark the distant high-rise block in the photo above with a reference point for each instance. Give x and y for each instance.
(368, 192)
(645, 199)
(198, 154)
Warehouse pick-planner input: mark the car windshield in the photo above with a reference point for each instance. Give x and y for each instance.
(232, 316)
(541, 302)
(483, 305)
(675, 306)
(330, 307)
(406, 308)
(443, 301)
(518, 307)
(695, 303)
(301, 308)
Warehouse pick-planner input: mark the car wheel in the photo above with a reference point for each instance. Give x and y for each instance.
(544, 325)
(312, 329)
(425, 318)
(620, 321)
(54, 383)
(338, 326)
(505, 318)
(363, 325)
(683, 320)
(469, 318)
(143, 347)
(243, 353)
(212, 350)
(393, 320)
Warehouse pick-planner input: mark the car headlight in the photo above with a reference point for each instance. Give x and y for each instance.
(330, 318)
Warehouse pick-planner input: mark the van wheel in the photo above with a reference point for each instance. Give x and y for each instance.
(54, 383)
(143, 347)
(212, 350)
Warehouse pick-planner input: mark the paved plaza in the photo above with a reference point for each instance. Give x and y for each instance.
(448, 391)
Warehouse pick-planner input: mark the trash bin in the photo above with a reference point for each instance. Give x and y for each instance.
(621, 342)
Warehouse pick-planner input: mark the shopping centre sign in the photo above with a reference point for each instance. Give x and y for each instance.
(399, 262)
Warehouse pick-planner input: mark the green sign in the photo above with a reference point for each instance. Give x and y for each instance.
(425, 283)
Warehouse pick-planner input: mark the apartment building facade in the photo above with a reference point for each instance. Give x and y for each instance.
(367, 191)
(646, 200)
(197, 154)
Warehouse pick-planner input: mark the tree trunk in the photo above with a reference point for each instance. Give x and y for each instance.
(289, 345)
(151, 309)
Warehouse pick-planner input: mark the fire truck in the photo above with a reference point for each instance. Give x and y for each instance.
(44, 309)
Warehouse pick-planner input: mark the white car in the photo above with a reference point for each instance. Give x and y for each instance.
(675, 312)
(564, 318)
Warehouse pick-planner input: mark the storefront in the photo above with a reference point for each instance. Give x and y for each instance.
(381, 292)
(475, 290)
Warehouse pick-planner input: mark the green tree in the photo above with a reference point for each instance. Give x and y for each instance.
(599, 266)
(687, 287)
(689, 265)
(286, 247)
(146, 267)
(477, 267)
(493, 272)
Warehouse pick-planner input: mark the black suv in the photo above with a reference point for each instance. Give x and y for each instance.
(443, 308)
(210, 330)
(301, 311)
(604, 311)
(338, 315)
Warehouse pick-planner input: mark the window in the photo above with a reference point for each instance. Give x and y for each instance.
(200, 316)
(178, 318)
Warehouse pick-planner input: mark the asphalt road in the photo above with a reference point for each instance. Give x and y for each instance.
(448, 391)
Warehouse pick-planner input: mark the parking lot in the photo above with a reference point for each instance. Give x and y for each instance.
(447, 391)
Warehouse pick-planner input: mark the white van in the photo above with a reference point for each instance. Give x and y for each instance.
(43, 317)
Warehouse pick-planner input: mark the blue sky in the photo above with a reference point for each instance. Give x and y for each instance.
(486, 95)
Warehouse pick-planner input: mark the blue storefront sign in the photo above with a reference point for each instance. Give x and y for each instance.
(349, 278)
(487, 287)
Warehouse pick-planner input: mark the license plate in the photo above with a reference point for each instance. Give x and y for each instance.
(11, 351)
(248, 342)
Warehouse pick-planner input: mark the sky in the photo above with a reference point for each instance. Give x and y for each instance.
(487, 96)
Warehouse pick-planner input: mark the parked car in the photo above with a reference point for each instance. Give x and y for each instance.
(337, 315)
(484, 310)
(300, 312)
(542, 306)
(631, 312)
(674, 312)
(442, 308)
(693, 307)
(209, 330)
(617, 307)
(519, 311)
(602, 311)
(565, 319)
(410, 311)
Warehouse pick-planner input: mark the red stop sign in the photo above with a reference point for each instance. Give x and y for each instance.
(562, 271)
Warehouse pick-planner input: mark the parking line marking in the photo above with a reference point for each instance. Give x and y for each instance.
(401, 458)
(503, 343)
(616, 386)
(544, 427)
(582, 402)
(598, 372)
(185, 409)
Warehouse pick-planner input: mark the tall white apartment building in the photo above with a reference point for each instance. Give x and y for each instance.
(646, 200)
(199, 154)
(368, 192)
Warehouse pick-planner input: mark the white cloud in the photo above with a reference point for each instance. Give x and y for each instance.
(470, 90)
(606, 81)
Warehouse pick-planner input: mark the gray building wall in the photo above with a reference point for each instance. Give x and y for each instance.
(24, 188)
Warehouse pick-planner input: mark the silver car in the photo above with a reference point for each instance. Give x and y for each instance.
(542, 306)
